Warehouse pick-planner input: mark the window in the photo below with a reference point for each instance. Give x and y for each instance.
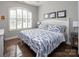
(20, 18)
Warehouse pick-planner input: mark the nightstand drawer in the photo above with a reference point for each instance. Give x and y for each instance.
(75, 42)
(1, 46)
(74, 39)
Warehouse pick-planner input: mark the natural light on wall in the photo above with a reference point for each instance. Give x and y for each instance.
(20, 19)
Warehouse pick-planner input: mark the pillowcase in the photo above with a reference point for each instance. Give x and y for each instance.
(43, 26)
(56, 28)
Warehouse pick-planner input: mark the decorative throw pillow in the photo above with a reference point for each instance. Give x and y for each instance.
(56, 28)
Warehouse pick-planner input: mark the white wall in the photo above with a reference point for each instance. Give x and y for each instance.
(4, 10)
(53, 6)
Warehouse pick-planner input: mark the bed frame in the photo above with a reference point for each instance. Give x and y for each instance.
(60, 21)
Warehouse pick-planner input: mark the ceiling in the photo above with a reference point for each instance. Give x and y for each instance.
(34, 3)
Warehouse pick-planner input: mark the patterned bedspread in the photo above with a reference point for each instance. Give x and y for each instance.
(42, 42)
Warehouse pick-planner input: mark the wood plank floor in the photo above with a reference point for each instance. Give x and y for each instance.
(24, 51)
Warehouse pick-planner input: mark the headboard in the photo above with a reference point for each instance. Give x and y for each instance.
(60, 21)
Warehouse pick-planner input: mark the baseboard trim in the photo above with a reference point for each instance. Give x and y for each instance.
(11, 38)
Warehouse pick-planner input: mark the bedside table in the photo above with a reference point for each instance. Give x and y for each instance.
(74, 39)
(1, 42)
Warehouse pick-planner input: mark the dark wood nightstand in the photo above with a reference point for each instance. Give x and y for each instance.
(74, 39)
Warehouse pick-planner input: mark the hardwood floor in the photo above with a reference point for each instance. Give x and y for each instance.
(15, 49)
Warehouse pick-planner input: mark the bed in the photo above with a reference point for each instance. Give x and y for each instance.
(43, 40)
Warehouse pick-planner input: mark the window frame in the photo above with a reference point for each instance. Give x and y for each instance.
(15, 8)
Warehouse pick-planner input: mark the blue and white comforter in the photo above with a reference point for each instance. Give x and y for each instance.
(42, 42)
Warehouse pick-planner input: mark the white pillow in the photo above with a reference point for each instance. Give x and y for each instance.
(43, 26)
